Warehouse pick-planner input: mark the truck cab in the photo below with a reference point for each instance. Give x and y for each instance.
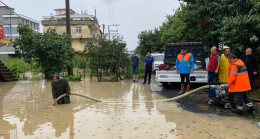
(172, 50)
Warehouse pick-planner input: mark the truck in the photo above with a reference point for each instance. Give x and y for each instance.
(172, 50)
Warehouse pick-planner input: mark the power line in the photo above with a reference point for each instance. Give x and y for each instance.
(110, 12)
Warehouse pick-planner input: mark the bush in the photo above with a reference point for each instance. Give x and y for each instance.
(113, 78)
(73, 78)
(16, 66)
(78, 62)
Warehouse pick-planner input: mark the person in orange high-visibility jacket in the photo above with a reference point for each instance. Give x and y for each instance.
(184, 66)
(239, 84)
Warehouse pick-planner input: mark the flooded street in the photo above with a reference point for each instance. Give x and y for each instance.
(26, 112)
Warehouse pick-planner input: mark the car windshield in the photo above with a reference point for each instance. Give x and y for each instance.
(158, 58)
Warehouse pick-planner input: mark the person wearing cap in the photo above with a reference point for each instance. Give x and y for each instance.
(184, 67)
(59, 87)
(135, 66)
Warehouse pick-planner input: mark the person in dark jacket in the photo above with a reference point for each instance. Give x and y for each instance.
(251, 65)
(149, 67)
(60, 86)
(135, 66)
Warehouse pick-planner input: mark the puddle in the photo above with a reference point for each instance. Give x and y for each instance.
(25, 112)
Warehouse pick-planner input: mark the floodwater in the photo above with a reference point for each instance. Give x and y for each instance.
(26, 112)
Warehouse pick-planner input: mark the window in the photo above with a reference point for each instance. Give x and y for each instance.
(57, 30)
(6, 31)
(78, 30)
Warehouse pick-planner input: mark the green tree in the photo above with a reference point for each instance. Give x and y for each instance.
(150, 41)
(50, 50)
(107, 56)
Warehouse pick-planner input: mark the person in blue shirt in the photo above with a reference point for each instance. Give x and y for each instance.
(149, 67)
(184, 66)
(135, 65)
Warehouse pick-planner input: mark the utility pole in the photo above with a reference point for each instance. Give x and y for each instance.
(10, 23)
(112, 31)
(70, 69)
(104, 28)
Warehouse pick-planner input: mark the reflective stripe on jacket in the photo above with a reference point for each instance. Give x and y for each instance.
(184, 63)
(238, 77)
(223, 69)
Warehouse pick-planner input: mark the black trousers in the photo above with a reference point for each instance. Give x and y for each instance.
(185, 76)
(240, 98)
(148, 70)
(251, 78)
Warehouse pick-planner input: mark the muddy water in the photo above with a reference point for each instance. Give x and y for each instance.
(25, 112)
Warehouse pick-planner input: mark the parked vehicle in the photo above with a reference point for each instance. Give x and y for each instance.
(171, 52)
(158, 60)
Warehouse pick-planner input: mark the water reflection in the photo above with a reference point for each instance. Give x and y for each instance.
(25, 111)
(5, 126)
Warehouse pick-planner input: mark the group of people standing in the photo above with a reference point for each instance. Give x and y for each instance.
(223, 68)
(226, 68)
(148, 67)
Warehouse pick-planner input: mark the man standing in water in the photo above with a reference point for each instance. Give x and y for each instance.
(135, 65)
(149, 67)
(60, 87)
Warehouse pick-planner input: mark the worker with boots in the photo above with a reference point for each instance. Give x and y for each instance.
(239, 84)
(184, 67)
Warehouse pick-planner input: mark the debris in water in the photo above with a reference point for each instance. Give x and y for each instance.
(172, 131)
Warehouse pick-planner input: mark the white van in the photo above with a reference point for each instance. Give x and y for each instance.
(158, 59)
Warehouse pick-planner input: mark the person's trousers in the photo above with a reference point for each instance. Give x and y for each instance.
(135, 70)
(251, 78)
(212, 76)
(185, 76)
(148, 70)
(64, 100)
(240, 98)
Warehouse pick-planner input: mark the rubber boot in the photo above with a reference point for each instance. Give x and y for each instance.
(251, 109)
(182, 89)
(238, 112)
(188, 88)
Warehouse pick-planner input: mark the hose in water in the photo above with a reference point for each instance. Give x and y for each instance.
(163, 100)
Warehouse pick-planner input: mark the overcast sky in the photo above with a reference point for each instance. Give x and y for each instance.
(133, 16)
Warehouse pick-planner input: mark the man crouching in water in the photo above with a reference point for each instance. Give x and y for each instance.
(60, 86)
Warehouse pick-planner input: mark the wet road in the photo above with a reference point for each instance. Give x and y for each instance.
(26, 112)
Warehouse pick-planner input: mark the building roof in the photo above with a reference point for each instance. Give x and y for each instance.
(61, 14)
(22, 16)
(17, 15)
(4, 5)
(7, 49)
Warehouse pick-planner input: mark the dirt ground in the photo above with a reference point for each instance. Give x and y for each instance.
(198, 103)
